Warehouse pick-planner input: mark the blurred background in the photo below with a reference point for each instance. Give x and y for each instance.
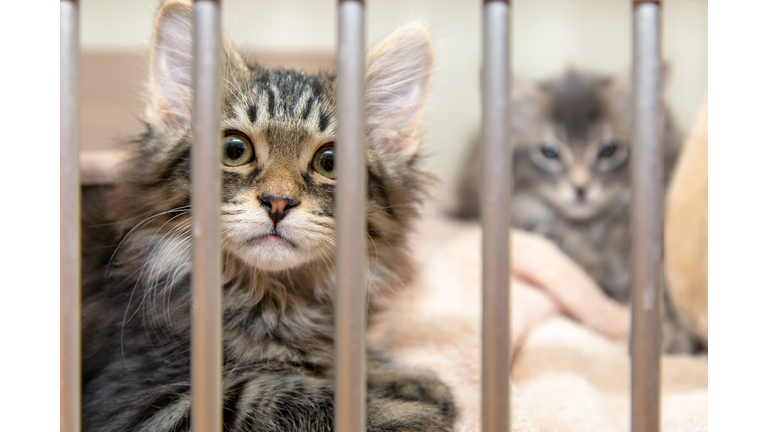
(548, 36)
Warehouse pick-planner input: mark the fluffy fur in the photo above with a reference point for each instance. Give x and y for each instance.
(278, 241)
(571, 175)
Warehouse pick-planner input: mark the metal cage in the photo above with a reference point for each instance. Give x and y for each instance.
(350, 311)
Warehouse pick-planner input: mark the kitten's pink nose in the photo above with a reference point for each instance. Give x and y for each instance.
(277, 206)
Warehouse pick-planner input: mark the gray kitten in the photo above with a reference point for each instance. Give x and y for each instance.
(571, 175)
(278, 242)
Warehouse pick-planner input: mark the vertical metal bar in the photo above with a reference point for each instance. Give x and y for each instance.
(69, 248)
(496, 161)
(350, 207)
(206, 203)
(647, 163)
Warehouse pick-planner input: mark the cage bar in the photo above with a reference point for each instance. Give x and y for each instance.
(496, 178)
(647, 199)
(349, 405)
(69, 219)
(206, 202)
(647, 205)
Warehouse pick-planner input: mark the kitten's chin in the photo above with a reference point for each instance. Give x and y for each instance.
(273, 262)
(579, 212)
(271, 253)
(276, 265)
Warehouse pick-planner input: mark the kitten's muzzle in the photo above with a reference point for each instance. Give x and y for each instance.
(580, 194)
(274, 233)
(278, 207)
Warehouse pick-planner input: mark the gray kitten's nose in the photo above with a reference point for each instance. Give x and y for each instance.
(580, 194)
(277, 206)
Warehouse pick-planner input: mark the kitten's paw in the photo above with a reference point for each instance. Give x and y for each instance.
(393, 415)
(410, 400)
(416, 387)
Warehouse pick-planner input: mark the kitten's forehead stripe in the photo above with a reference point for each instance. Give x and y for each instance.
(290, 94)
(307, 109)
(323, 122)
(576, 104)
(271, 102)
(252, 113)
(303, 104)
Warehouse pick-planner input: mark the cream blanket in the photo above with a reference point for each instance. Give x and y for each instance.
(570, 367)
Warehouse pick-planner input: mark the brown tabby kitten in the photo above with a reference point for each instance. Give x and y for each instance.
(278, 238)
(571, 175)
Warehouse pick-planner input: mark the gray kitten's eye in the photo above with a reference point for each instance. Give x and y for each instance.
(607, 149)
(322, 161)
(238, 150)
(550, 150)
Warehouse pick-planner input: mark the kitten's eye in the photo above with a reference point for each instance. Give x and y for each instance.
(607, 149)
(238, 150)
(550, 150)
(322, 161)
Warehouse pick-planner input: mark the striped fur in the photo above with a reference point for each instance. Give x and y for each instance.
(278, 271)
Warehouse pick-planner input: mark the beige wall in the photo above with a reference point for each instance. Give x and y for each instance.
(548, 36)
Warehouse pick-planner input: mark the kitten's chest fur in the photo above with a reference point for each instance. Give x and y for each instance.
(600, 246)
(289, 321)
(136, 355)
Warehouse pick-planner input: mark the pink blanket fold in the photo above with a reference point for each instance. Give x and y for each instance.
(570, 367)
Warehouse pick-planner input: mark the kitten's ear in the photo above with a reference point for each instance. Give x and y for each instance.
(527, 105)
(172, 64)
(619, 87)
(618, 93)
(398, 73)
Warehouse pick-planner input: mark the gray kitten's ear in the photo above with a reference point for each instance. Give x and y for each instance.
(398, 73)
(618, 94)
(527, 105)
(619, 88)
(172, 64)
